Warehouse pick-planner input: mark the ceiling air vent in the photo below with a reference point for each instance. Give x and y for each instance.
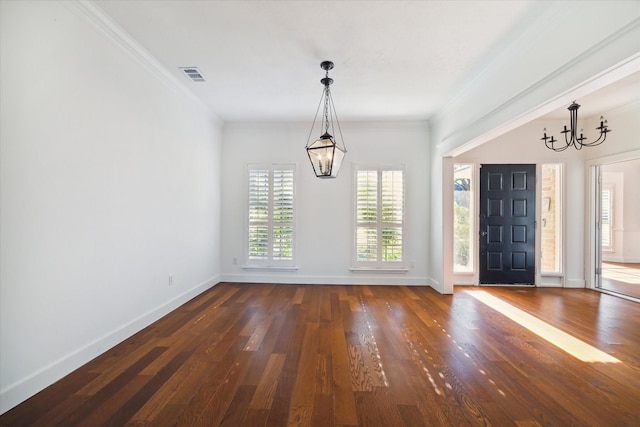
(193, 73)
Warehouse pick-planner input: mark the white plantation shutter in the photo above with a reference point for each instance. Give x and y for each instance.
(366, 215)
(258, 214)
(379, 215)
(605, 229)
(282, 241)
(392, 214)
(271, 215)
(392, 197)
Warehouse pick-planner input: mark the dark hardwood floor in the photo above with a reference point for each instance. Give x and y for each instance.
(276, 355)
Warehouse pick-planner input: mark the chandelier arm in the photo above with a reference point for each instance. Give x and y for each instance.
(567, 141)
(574, 127)
(554, 148)
(314, 120)
(600, 140)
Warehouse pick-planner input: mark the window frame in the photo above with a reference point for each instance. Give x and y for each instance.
(379, 264)
(269, 262)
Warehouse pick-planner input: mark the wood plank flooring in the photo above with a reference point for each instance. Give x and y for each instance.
(623, 278)
(280, 355)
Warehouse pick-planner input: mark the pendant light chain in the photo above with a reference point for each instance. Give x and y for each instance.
(326, 108)
(326, 100)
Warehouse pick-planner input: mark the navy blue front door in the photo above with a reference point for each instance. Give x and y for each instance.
(507, 224)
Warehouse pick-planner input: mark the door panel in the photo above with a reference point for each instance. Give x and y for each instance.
(507, 224)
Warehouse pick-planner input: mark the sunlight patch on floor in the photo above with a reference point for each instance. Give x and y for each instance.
(621, 272)
(577, 348)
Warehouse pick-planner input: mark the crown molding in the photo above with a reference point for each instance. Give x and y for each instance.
(109, 28)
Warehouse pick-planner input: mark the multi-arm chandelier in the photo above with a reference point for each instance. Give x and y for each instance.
(573, 139)
(327, 152)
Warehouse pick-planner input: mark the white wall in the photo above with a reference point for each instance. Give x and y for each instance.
(625, 128)
(110, 182)
(325, 207)
(540, 71)
(630, 232)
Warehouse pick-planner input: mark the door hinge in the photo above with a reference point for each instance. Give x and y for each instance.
(598, 271)
(535, 224)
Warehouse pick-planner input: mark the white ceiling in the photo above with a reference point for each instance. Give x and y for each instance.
(394, 60)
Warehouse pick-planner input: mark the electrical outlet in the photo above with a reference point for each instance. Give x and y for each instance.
(412, 264)
(235, 261)
(171, 280)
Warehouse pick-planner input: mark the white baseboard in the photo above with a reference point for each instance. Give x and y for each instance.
(550, 281)
(548, 285)
(18, 392)
(435, 285)
(575, 283)
(355, 279)
(465, 281)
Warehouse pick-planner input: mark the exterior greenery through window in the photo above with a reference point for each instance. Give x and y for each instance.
(379, 216)
(271, 214)
(463, 243)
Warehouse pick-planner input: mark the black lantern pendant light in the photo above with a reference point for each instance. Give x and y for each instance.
(573, 138)
(327, 152)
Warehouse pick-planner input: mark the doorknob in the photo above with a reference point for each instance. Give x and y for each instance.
(483, 233)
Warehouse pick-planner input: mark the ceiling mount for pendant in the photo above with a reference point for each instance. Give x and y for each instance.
(326, 66)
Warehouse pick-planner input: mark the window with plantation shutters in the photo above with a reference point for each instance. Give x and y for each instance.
(379, 217)
(271, 213)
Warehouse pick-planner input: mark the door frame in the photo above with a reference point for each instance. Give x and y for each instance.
(473, 279)
(592, 255)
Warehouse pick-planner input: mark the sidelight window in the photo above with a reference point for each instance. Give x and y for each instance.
(463, 218)
(551, 218)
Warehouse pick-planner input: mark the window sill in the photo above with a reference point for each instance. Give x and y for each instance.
(268, 268)
(378, 270)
